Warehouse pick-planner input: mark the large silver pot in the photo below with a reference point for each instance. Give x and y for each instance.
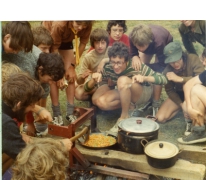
(133, 130)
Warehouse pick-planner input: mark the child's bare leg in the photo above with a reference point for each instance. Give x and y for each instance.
(167, 111)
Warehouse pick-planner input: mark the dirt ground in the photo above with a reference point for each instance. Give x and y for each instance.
(169, 131)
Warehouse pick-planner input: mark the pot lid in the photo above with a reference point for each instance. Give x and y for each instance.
(161, 149)
(138, 125)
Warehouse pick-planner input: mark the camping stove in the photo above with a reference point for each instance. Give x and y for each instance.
(76, 159)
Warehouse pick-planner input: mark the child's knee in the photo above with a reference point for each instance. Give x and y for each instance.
(122, 82)
(161, 118)
(100, 102)
(78, 93)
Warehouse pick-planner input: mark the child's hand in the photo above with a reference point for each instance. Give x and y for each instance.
(97, 77)
(70, 74)
(136, 63)
(86, 73)
(30, 131)
(27, 139)
(67, 143)
(44, 115)
(138, 78)
(62, 83)
(171, 76)
(196, 116)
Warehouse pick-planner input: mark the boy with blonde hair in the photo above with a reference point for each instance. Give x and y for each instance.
(47, 157)
(145, 42)
(7, 69)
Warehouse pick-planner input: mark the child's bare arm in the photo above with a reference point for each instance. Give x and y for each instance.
(101, 64)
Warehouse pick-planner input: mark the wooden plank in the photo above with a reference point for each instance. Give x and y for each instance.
(183, 169)
(193, 153)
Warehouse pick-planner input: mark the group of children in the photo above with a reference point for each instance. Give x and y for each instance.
(112, 84)
(116, 73)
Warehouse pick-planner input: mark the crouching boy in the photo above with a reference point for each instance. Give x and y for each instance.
(195, 101)
(134, 87)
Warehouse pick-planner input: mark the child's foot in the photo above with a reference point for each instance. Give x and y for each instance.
(188, 128)
(42, 134)
(58, 120)
(155, 106)
(114, 130)
(71, 118)
(197, 135)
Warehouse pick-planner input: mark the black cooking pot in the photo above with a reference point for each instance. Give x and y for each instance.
(133, 130)
(161, 154)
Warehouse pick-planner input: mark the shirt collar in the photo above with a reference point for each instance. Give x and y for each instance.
(196, 28)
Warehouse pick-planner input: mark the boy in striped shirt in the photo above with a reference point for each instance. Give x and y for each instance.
(121, 86)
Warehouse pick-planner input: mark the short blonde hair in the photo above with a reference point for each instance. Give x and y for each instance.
(7, 69)
(141, 35)
(42, 159)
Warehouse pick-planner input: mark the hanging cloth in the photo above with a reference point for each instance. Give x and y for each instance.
(76, 46)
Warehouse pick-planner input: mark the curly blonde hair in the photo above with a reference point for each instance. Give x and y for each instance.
(7, 69)
(42, 159)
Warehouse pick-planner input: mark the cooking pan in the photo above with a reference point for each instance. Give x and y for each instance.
(82, 142)
(161, 154)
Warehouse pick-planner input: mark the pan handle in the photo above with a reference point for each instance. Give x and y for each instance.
(151, 117)
(142, 142)
(85, 130)
(180, 150)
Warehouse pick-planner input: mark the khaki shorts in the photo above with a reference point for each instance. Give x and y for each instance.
(146, 95)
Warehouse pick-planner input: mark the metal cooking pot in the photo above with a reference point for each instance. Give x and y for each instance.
(161, 154)
(133, 130)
